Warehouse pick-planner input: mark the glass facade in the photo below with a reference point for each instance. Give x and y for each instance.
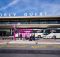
(5, 32)
(25, 32)
(32, 22)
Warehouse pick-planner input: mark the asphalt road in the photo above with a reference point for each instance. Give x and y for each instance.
(23, 50)
(31, 46)
(30, 50)
(29, 55)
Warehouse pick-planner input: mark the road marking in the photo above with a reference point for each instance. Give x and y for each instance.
(56, 46)
(43, 46)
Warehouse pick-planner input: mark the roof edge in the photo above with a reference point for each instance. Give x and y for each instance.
(30, 17)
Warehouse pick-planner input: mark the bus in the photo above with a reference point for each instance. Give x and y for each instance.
(38, 33)
(27, 33)
(51, 33)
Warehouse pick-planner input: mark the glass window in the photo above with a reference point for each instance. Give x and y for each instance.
(32, 22)
(47, 31)
(35, 22)
(5, 32)
(57, 31)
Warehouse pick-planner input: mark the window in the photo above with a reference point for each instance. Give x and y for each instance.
(5, 32)
(32, 22)
(57, 31)
(35, 22)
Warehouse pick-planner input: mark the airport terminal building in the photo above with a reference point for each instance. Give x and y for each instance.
(10, 26)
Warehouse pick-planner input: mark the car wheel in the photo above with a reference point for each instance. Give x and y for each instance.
(39, 36)
(54, 37)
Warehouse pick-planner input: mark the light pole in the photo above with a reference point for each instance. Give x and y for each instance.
(14, 27)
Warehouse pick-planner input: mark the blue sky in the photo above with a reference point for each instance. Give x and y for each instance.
(19, 7)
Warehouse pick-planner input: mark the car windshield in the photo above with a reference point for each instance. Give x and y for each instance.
(37, 31)
(46, 32)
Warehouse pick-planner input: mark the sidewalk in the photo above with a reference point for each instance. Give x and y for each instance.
(29, 42)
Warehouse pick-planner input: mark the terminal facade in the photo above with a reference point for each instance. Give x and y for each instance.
(10, 26)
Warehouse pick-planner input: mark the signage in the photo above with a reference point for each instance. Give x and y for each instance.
(29, 8)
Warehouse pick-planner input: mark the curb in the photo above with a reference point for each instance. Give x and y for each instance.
(29, 42)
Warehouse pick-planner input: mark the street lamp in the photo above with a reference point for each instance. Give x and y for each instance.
(14, 27)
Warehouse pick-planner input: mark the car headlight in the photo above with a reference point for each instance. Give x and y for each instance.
(49, 36)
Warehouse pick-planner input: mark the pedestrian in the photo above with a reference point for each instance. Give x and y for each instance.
(33, 37)
(20, 36)
(30, 39)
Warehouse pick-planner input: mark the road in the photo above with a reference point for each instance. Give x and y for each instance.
(23, 50)
(30, 50)
(29, 55)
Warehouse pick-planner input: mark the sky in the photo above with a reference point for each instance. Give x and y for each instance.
(29, 7)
